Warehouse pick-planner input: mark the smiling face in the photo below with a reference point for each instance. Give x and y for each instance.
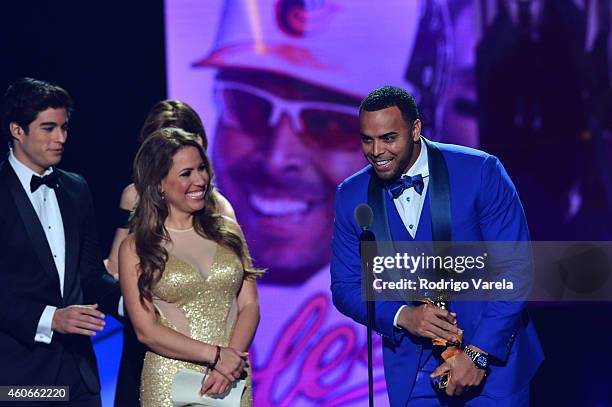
(41, 145)
(185, 184)
(279, 155)
(389, 143)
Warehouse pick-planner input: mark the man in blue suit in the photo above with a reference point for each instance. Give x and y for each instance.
(430, 191)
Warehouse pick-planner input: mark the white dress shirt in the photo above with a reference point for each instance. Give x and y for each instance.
(409, 204)
(47, 209)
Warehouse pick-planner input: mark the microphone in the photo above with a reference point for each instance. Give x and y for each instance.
(364, 216)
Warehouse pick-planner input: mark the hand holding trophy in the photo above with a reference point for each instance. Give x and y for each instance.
(444, 347)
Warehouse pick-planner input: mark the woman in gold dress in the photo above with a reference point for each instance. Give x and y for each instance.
(165, 113)
(185, 273)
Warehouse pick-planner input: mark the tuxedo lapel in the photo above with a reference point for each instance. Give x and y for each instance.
(439, 194)
(31, 223)
(387, 227)
(68, 209)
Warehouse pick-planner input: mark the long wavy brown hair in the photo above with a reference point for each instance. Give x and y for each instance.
(151, 165)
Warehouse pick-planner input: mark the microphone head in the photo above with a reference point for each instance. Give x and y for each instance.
(364, 216)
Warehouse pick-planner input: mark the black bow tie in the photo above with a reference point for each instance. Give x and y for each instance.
(49, 180)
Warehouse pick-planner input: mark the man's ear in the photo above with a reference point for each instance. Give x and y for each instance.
(416, 130)
(17, 131)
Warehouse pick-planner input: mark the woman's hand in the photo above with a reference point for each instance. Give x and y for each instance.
(215, 384)
(231, 363)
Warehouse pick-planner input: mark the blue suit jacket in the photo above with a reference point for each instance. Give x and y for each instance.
(484, 207)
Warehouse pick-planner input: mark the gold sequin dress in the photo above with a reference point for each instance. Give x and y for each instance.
(197, 297)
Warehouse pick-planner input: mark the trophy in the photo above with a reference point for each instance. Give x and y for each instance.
(442, 347)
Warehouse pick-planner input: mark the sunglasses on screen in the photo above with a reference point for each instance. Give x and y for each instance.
(258, 112)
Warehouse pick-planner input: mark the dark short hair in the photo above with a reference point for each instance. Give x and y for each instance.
(26, 98)
(389, 96)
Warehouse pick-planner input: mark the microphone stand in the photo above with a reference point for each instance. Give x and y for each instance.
(366, 257)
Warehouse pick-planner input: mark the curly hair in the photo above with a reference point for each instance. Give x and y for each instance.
(151, 165)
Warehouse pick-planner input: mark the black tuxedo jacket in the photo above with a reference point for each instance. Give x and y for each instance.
(29, 281)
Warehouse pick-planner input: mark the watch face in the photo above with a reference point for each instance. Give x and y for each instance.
(481, 361)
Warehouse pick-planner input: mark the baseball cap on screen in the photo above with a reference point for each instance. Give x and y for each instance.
(350, 47)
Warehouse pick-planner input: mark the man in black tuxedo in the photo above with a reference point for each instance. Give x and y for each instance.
(49, 258)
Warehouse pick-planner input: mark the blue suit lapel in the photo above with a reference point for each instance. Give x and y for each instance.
(439, 193)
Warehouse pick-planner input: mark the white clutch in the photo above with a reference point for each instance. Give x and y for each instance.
(186, 391)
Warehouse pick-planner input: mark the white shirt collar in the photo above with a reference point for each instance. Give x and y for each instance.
(421, 165)
(23, 172)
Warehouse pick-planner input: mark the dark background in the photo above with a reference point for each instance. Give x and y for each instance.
(110, 56)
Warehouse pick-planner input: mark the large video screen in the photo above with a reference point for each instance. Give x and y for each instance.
(278, 84)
